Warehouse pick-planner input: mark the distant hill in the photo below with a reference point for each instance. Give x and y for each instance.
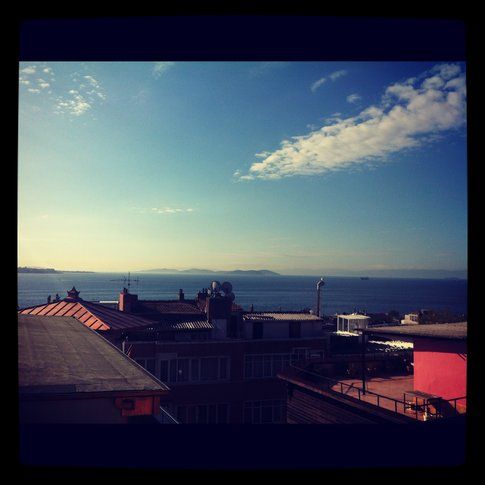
(251, 272)
(25, 269)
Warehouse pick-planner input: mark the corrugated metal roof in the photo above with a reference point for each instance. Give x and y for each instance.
(453, 331)
(270, 316)
(57, 355)
(185, 325)
(93, 315)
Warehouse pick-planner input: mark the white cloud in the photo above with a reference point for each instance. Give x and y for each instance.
(34, 90)
(333, 77)
(161, 210)
(411, 114)
(318, 83)
(160, 67)
(28, 70)
(353, 98)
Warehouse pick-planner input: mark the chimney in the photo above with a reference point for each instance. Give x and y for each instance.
(127, 301)
(181, 295)
(218, 308)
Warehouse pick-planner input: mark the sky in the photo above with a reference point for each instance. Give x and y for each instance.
(296, 167)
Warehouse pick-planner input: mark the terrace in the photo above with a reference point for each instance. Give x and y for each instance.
(390, 392)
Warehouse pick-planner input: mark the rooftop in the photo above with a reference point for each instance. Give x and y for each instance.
(355, 316)
(94, 315)
(274, 316)
(58, 355)
(452, 331)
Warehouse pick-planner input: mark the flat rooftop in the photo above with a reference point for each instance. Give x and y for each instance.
(354, 316)
(452, 331)
(61, 355)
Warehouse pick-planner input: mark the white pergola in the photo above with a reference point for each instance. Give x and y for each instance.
(352, 322)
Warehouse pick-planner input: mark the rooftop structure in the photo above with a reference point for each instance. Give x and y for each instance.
(447, 331)
(93, 315)
(62, 362)
(352, 322)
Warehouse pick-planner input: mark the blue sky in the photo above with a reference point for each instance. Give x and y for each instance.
(298, 167)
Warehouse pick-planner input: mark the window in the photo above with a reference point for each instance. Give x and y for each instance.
(195, 369)
(213, 413)
(164, 370)
(257, 330)
(182, 370)
(264, 412)
(257, 366)
(223, 367)
(148, 364)
(208, 368)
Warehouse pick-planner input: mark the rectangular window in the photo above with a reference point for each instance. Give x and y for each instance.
(258, 366)
(202, 414)
(222, 413)
(208, 368)
(181, 414)
(173, 371)
(264, 412)
(223, 363)
(164, 370)
(195, 369)
(182, 370)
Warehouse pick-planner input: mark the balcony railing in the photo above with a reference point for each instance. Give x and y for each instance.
(437, 408)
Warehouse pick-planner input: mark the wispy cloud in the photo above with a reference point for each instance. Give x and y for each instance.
(353, 98)
(161, 67)
(162, 210)
(262, 68)
(411, 113)
(333, 77)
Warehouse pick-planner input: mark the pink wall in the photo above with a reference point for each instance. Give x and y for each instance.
(440, 367)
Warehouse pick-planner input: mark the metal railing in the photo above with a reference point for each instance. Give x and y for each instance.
(428, 410)
(165, 417)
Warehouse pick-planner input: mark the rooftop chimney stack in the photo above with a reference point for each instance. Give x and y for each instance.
(181, 295)
(127, 301)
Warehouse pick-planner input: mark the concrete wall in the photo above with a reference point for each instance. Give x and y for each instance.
(440, 367)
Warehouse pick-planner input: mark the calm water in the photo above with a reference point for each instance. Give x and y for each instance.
(340, 294)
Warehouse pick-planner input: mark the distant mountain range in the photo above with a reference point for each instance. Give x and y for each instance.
(251, 272)
(25, 269)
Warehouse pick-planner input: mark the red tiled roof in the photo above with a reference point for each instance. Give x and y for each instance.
(93, 315)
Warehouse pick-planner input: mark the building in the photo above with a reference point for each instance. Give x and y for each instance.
(68, 373)
(440, 358)
(410, 319)
(108, 321)
(378, 392)
(352, 322)
(219, 361)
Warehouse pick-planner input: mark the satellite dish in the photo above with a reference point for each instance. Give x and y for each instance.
(226, 287)
(231, 296)
(215, 285)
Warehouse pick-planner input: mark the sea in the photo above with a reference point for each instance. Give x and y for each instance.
(271, 293)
